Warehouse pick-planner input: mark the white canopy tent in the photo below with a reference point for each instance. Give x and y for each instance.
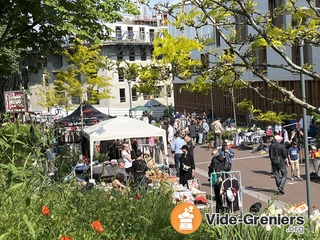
(122, 128)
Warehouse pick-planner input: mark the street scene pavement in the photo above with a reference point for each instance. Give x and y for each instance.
(257, 181)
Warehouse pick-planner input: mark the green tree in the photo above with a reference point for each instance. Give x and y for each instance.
(31, 29)
(47, 26)
(174, 54)
(46, 94)
(81, 79)
(228, 18)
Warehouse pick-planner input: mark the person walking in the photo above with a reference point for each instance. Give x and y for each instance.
(293, 156)
(187, 166)
(206, 129)
(176, 146)
(217, 131)
(200, 133)
(190, 144)
(279, 163)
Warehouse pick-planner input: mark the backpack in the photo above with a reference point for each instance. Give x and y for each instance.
(274, 154)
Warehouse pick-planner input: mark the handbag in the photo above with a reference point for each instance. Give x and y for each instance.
(185, 167)
(226, 166)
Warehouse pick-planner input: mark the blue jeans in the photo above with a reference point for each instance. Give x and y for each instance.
(280, 180)
(177, 162)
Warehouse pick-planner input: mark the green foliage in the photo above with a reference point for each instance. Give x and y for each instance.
(167, 113)
(273, 117)
(102, 157)
(248, 107)
(176, 52)
(46, 94)
(81, 76)
(42, 26)
(247, 32)
(17, 144)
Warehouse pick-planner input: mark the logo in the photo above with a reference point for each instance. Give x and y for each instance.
(87, 113)
(186, 218)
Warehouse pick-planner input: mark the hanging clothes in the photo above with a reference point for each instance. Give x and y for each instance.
(229, 192)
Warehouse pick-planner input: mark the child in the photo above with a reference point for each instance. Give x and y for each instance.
(293, 156)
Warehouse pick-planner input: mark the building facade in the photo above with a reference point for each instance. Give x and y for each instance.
(131, 41)
(222, 104)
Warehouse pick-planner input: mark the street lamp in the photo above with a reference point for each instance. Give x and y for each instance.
(305, 130)
(130, 97)
(211, 95)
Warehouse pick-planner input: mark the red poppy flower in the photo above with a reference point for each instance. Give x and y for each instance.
(184, 197)
(45, 211)
(65, 238)
(97, 226)
(177, 199)
(137, 197)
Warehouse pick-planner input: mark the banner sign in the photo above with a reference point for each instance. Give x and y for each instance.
(15, 101)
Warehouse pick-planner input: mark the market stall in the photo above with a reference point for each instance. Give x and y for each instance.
(122, 128)
(91, 116)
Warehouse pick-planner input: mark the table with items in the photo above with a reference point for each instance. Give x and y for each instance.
(105, 170)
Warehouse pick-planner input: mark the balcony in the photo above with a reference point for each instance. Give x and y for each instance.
(132, 36)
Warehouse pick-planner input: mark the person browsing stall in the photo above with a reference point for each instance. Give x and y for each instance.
(149, 160)
(293, 156)
(122, 176)
(216, 162)
(139, 167)
(187, 166)
(176, 146)
(126, 157)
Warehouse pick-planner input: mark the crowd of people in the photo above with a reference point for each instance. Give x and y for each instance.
(133, 170)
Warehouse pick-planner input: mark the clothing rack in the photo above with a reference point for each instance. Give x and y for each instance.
(232, 175)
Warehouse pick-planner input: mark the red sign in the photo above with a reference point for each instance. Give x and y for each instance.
(15, 101)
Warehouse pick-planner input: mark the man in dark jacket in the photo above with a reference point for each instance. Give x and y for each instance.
(280, 167)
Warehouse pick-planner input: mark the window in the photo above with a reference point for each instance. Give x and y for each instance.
(75, 100)
(317, 4)
(143, 53)
(241, 30)
(151, 35)
(134, 95)
(169, 91)
(205, 60)
(130, 33)
(142, 34)
(120, 77)
(120, 54)
(132, 54)
(157, 92)
(122, 93)
(296, 54)
(261, 60)
(118, 33)
(277, 18)
(218, 39)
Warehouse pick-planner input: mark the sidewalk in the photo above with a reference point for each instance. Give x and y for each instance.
(258, 184)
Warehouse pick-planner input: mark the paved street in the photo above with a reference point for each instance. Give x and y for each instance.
(257, 181)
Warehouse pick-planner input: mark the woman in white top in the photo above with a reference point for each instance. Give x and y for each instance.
(170, 134)
(126, 156)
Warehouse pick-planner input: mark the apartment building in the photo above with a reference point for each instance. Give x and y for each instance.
(222, 104)
(131, 41)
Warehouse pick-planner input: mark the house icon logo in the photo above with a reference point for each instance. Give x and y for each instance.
(185, 218)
